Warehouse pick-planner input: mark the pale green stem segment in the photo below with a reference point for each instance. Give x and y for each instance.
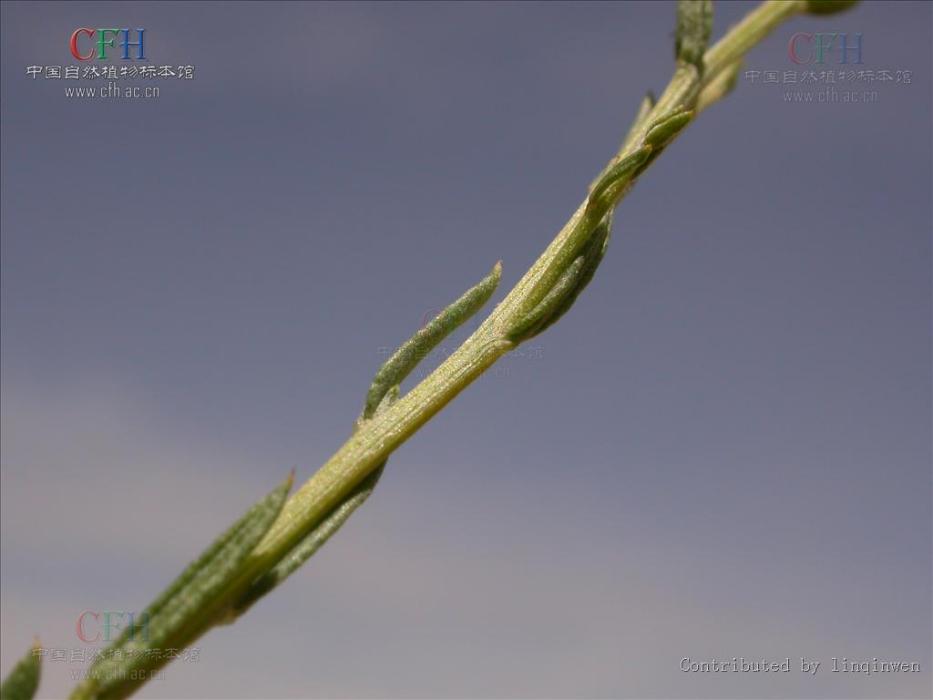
(305, 549)
(312, 542)
(23, 681)
(754, 27)
(719, 86)
(545, 292)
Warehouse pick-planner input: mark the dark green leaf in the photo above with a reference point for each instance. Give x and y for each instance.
(527, 326)
(195, 589)
(416, 348)
(568, 287)
(660, 133)
(23, 680)
(592, 256)
(605, 192)
(694, 25)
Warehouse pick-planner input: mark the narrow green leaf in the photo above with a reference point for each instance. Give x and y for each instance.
(195, 589)
(569, 285)
(592, 256)
(412, 351)
(694, 26)
(191, 571)
(528, 325)
(615, 179)
(23, 680)
(661, 133)
(644, 109)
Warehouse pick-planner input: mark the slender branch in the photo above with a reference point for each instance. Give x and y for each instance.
(489, 342)
(544, 293)
(375, 441)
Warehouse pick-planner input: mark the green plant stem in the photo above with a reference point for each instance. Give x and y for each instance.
(754, 27)
(375, 440)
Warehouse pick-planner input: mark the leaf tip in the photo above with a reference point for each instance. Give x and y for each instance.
(492, 279)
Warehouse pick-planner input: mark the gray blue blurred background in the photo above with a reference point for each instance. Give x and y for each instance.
(723, 451)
